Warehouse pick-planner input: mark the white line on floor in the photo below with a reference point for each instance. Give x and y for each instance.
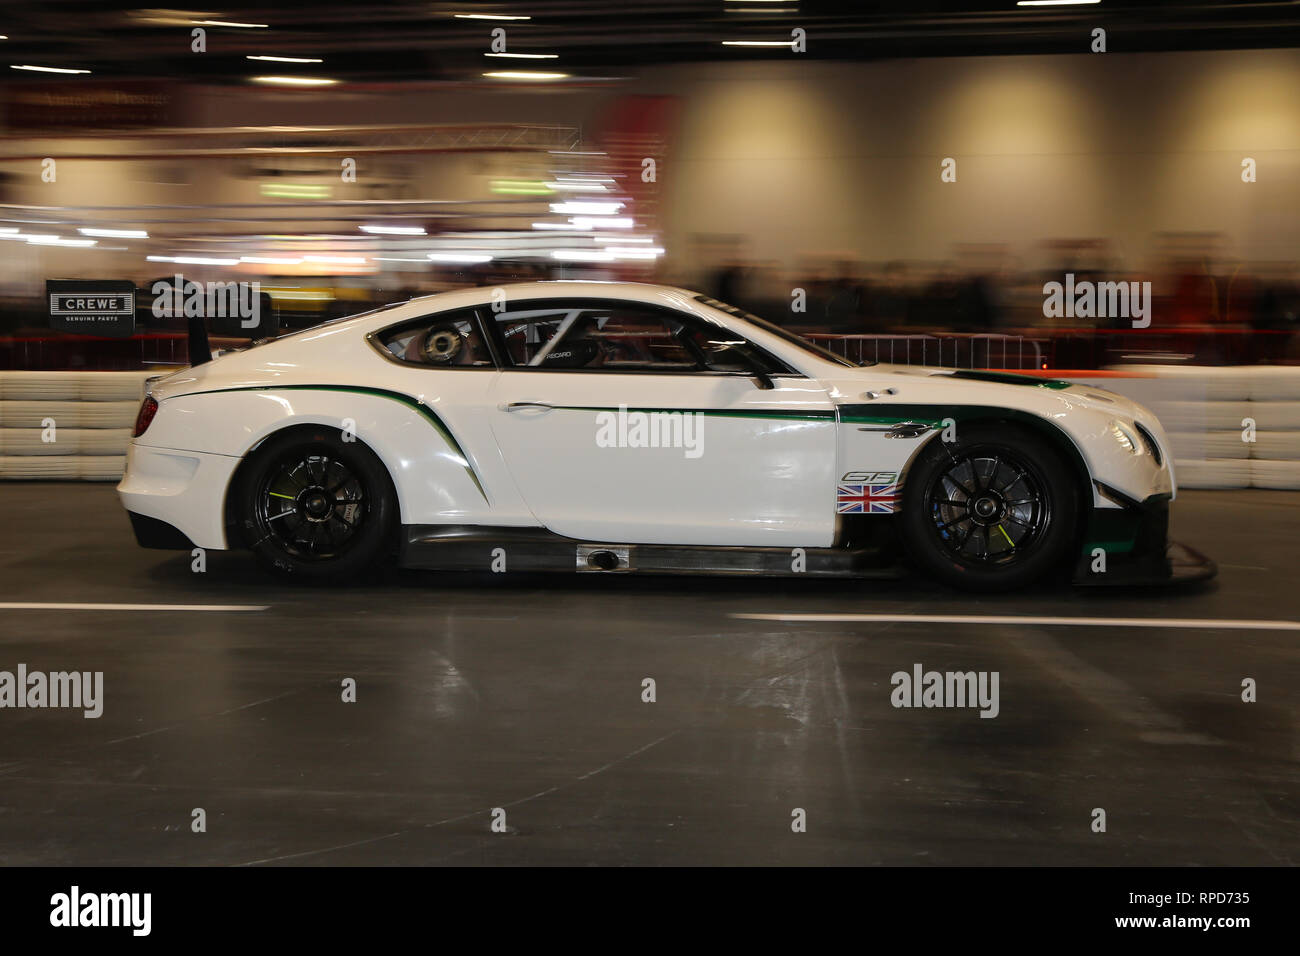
(1188, 622)
(25, 606)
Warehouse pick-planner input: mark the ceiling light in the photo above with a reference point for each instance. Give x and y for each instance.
(582, 255)
(294, 80)
(527, 56)
(193, 260)
(785, 43)
(229, 23)
(487, 16)
(287, 59)
(271, 260)
(1052, 3)
(394, 230)
(59, 241)
(294, 191)
(44, 69)
(603, 222)
(525, 75)
(577, 187)
(469, 258)
(115, 233)
(586, 208)
(638, 252)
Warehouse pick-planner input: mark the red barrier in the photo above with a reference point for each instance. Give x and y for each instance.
(50, 353)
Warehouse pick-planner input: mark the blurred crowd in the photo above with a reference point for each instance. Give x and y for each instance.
(901, 297)
(1205, 309)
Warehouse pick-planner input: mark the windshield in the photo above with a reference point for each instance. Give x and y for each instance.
(784, 334)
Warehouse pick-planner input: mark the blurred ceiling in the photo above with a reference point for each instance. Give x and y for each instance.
(389, 42)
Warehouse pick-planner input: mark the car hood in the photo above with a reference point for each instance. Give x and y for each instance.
(1063, 402)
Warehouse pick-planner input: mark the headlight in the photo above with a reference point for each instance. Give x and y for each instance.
(1149, 440)
(1125, 437)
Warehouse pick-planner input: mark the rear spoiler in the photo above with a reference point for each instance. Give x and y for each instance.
(199, 348)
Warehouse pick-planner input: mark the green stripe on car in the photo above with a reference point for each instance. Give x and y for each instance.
(414, 404)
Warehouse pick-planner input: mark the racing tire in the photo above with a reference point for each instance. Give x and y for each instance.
(994, 510)
(315, 508)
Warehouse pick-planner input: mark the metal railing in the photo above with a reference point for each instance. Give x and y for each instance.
(977, 350)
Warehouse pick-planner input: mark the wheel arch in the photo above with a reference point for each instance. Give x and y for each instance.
(230, 520)
(1054, 435)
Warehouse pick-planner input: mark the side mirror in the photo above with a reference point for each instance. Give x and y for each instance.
(738, 354)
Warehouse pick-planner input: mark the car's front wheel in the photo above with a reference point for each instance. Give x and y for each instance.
(316, 507)
(993, 510)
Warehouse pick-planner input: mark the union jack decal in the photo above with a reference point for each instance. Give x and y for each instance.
(866, 499)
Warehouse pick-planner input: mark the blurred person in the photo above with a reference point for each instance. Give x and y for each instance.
(727, 283)
(1275, 314)
(891, 300)
(845, 301)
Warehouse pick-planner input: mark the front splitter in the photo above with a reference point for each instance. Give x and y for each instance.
(1181, 565)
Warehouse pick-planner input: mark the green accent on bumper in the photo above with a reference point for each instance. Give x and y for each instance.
(415, 405)
(1110, 547)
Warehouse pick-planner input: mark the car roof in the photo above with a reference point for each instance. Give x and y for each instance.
(669, 296)
(563, 289)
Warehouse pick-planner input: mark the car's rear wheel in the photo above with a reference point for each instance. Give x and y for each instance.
(315, 507)
(992, 511)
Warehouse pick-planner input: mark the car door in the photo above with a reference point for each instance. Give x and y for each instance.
(626, 422)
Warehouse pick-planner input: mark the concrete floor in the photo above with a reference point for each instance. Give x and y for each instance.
(525, 694)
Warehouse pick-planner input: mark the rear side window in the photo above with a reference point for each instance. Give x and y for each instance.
(446, 340)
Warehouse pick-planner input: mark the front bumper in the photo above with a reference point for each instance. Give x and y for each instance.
(1130, 546)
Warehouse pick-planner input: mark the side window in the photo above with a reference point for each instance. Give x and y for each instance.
(723, 351)
(621, 337)
(450, 339)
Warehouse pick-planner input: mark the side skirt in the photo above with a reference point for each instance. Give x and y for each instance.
(485, 548)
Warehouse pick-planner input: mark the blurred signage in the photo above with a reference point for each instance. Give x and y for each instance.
(92, 306)
(90, 106)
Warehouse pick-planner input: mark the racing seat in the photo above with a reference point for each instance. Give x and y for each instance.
(578, 349)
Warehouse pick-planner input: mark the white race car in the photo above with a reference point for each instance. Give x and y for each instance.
(613, 427)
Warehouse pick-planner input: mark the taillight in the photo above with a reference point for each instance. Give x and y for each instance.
(148, 409)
